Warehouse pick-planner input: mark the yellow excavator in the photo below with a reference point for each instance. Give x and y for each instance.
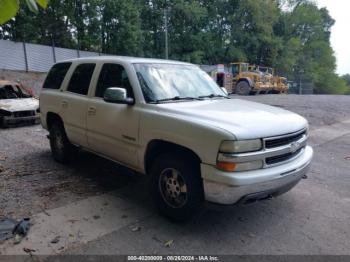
(247, 79)
(281, 85)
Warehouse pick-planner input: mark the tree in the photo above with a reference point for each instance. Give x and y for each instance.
(121, 27)
(152, 27)
(290, 35)
(9, 8)
(187, 18)
(346, 78)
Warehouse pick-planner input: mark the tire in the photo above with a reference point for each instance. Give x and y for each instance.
(62, 150)
(3, 123)
(243, 88)
(176, 186)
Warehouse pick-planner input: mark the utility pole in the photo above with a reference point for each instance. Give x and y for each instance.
(53, 48)
(300, 82)
(166, 33)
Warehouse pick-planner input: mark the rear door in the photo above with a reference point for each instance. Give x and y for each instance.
(74, 103)
(50, 95)
(113, 128)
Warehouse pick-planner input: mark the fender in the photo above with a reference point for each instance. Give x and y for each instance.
(248, 79)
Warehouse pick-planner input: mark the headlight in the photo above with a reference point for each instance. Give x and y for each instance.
(229, 163)
(240, 146)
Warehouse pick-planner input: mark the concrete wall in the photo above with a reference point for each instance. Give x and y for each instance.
(32, 80)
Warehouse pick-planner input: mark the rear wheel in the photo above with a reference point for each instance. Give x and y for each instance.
(62, 150)
(177, 186)
(243, 88)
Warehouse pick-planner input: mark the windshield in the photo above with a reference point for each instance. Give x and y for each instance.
(244, 67)
(12, 91)
(161, 82)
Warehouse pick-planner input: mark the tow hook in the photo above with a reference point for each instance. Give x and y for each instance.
(304, 177)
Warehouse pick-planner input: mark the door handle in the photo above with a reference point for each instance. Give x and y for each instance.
(64, 103)
(91, 110)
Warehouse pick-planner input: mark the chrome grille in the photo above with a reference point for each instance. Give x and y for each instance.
(24, 113)
(295, 141)
(285, 140)
(281, 158)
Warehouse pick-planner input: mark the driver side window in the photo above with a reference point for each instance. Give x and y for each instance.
(113, 75)
(235, 70)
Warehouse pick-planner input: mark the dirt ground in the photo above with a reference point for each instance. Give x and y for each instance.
(311, 219)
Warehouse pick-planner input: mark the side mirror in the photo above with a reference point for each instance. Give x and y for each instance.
(118, 96)
(224, 89)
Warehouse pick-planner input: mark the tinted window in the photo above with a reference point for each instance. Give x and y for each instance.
(56, 75)
(113, 75)
(80, 80)
(235, 70)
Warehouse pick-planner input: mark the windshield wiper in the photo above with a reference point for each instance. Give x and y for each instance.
(213, 96)
(177, 98)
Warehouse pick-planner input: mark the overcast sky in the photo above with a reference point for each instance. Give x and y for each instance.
(340, 37)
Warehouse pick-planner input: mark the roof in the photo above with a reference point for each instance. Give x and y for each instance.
(128, 59)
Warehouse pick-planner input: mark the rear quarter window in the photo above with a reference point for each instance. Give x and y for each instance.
(56, 75)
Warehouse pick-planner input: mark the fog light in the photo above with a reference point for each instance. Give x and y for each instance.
(236, 167)
(245, 166)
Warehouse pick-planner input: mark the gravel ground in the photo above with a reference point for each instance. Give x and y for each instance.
(30, 180)
(319, 110)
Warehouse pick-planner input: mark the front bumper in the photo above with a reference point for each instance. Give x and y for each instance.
(231, 188)
(11, 120)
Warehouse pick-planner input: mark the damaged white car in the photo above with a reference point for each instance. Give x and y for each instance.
(17, 105)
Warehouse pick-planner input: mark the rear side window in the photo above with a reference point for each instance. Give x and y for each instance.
(80, 80)
(56, 75)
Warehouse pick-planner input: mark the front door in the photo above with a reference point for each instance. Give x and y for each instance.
(112, 129)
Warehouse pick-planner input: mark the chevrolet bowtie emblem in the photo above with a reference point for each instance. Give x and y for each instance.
(294, 147)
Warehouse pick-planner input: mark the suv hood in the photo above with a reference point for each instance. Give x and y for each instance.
(244, 119)
(19, 104)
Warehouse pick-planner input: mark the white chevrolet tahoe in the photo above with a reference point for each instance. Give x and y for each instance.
(171, 121)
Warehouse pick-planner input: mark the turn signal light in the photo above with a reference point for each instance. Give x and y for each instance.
(226, 166)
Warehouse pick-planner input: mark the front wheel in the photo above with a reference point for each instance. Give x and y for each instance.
(62, 150)
(243, 88)
(177, 186)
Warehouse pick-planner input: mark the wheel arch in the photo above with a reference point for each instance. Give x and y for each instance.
(51, 118)
(157, 147)
(246, 79)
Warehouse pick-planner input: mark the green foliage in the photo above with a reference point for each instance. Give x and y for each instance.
(9, 8)
(346, 78)
(121, 27)
(290, 35)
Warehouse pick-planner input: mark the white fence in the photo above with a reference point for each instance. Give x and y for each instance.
(35, 58)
